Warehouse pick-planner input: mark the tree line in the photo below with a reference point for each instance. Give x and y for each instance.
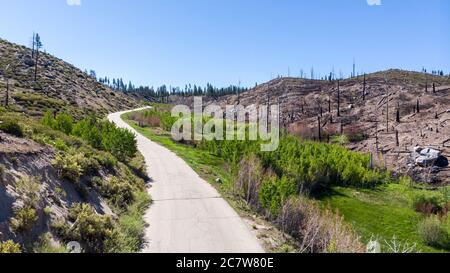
(164, 91)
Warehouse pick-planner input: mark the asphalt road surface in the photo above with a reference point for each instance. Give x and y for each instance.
(187, 215)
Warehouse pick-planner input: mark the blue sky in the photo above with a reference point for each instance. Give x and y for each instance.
(223, 41)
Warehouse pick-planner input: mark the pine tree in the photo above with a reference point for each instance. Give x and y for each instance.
(38, 45)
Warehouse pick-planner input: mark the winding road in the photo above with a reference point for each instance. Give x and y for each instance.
(187, 215)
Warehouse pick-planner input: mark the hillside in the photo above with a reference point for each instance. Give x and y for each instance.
(364, 120)
(62, 177)
(59, 85)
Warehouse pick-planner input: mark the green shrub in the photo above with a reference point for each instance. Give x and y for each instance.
(118, 192)
(433, 232)
(61, 145)
(28, 189)
(274, 192)
(68, 166)
(9, 247)
(12, 128)
(87, 129)
(48, 120)
(129, 234)
(106, 159)
(64, 123)
(428, 202)
(44, 245)
(312, 165)
(100, 135)
(119, 142)
(24, 219)
(89, 228)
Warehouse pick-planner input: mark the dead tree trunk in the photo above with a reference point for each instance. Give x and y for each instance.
(418, 106)
(364, 88)
(329, 104)
(7, 93)
(398, 113)
(434, 87)
(320, 128)
(33, 44)
(397, 141)
(339, 100)
(387, 112)
(36, 65)
(376, 136)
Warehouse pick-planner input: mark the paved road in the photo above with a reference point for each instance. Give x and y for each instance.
(188, 215)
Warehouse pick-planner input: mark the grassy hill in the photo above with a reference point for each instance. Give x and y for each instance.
(64, 179)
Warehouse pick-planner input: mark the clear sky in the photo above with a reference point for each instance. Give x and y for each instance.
(176, 42)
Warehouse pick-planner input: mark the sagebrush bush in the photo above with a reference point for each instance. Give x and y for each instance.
(433, 232)
(9, 247)
(318, 230)
(88, 228)
(28, 189)
(248, 180)
(24, 219)
(12, 128)
(68, 166)
(119, 192)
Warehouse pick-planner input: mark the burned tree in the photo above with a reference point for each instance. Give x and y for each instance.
(387, 112)
(364, 88)
(329, 105)
(398, 112)
(418, 106)
(320, 128)
(7, 73)
(339, 99)
(397, 141)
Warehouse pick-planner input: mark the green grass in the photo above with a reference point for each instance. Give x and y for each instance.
(207, 165)
(131, 225)
(381, 213)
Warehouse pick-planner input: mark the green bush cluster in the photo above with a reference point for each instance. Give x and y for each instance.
(428, 202)
(274, 192)
(68, 166)
(102, 135)
(118, 191)
(24, 219)
(9, 247)
(88, 228)
(310, 164)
